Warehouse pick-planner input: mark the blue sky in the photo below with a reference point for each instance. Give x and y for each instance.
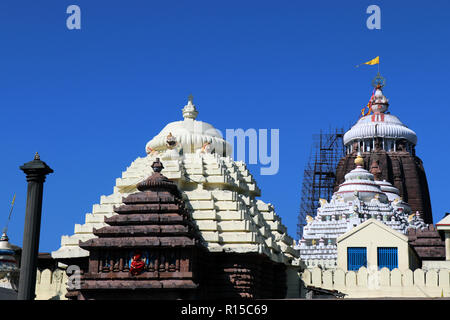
(89, 100)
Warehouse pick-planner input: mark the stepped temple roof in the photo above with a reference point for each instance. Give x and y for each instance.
(148, 245)
(152, 249)
(219, 193)
(359, 198)
(427, 243)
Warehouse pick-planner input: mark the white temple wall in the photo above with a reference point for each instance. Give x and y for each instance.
(381, 283)
(51, 285)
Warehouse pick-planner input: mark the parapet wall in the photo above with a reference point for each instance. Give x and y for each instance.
(51, 284)
(375, 283)
(361, 284)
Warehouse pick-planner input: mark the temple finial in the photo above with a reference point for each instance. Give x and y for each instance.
(189, 110)
(157, 166)
(359, 161)
(36, 156)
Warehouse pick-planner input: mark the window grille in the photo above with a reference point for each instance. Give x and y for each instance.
(387, 257)
(356, 258)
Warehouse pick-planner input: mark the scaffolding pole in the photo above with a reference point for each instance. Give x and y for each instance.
(320, 173)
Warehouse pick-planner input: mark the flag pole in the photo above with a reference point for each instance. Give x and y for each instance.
(10, 211)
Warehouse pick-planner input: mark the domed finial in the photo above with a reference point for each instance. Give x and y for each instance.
(379, 101)
(189, 110)
(359, 161)
(4, 236)
(157, 166)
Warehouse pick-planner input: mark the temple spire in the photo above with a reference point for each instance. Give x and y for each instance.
(189, 110)
(359, 161)
(379, 102)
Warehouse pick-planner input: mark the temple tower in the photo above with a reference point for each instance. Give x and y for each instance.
(150, 249)
(359, 198)
(388, 148)
(249, 253)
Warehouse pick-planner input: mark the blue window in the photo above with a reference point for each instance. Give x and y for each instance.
(387, 257)
(356, 258)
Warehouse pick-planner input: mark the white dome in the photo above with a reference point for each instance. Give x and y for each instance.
(392, 192)
(7, 259)
(190, 134)
(379, 124)
(359, 173)
(361, 182)
(391, 127)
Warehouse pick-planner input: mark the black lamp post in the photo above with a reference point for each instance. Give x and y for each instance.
(36, 171)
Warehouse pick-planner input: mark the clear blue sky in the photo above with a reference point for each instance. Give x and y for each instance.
(89, 100)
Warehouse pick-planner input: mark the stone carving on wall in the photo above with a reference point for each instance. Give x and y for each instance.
(171, 141)
(137, 263)
(376, 170)
(151, 152)
(207, 148)
(174, 149)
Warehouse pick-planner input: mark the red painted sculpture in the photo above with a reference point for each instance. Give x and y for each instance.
(137, 264)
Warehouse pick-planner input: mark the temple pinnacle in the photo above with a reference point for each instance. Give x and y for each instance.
(359, 161)
(157, 166)
(189, 110)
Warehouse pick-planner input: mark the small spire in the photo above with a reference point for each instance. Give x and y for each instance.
(4, 236)
(379, 101)
(359, 161)
(36, 156)
(157, 166)
(189, 110)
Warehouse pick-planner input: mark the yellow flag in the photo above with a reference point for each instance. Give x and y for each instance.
(371, 62)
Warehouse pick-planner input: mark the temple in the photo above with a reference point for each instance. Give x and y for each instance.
(185, 222)
(197, 210)
(359, 198)
(380, 178)
(389, 151)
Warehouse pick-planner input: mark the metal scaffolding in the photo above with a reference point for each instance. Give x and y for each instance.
(320, 173)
